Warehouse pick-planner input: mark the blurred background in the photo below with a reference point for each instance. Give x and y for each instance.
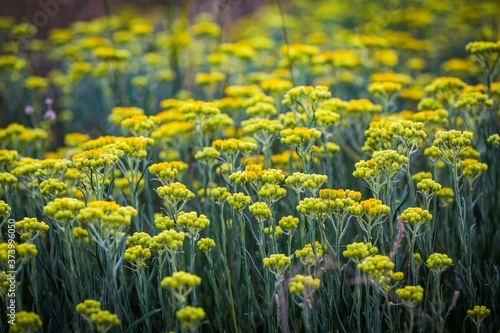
(49, 14)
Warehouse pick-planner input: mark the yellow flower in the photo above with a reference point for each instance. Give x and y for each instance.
(304, 287)
(358, 251)
(410, 295)
(26, 322)
(190, 317)
(438, 262)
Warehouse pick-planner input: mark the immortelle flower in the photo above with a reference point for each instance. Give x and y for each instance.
(438, 262)
(289, 224)
(379, 269)
(239, 201)
(30, 228)
(63, 210)
(206, 244)
(181, 284)
(192, 223)
(358, 251)
(26, 322)
(137, 256)
(478, 314)
(304, 287)
(415, 217)
(307, 255)
(277, 263)
(190, 317)
(410, 295)
(166, 172)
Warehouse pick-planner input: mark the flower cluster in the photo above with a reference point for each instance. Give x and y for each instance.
(277, 263)
(304, 287)
(438, 262)
(410, 295)
(181, 284)
(379, 268)
(358, 251)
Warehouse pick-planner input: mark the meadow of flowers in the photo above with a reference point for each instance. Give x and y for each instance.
(312, 167)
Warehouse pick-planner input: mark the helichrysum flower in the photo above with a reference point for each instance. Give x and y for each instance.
(239, 201)
(379, 136)
(168, 240)
(52, 188)
(478, 313)
(379, 268)
(261, 211)
(181, 283)
(446, 195)
(97, 159)
(273, 232)
(410, 295)
(81, 235)
(118, 114)
(312, 207)
(4, 209)
(445, 89)
(272, 176)
(192, 222)
(438, 262)
(26, 251)
(410, 133)
(428, 186)
(276, 86)
(190, 317)
(299, 136)
(384, 89)
(419, 176)
(358, 251)
(142, 239)
(164, 223)
(277, 263)
(304, 287)
(6, 158)
(26, 322)
(494, 139)
(30, 228)
(307, 255)
(262, 110)
(288, 223)
(104, 320)
(175, 193)
(137, 255)
(208, 153)
(472, 169)
(63, 210)
(415, 217)
(206, 244)
(108, 215)
(167, 171)
(361, 107)
(220, 195)
(271, 193)
(311, 182)
(232, 146)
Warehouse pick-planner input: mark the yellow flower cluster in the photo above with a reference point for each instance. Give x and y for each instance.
(109, 215)
(141, 125)
(410, 133)
(190, 317)
(26, 322)
(261, 127)
(167, 240)
(384, 162)
(472, 169)
(288, 223)
(361, 107)
(134, 147)
(428, 186)
(26, 251)
(232, 146)
(63, 210)
(452, 144)
(239, 201)
(313, 208)
(358, 251)
(119, 114)
(478, 313)
(271, 193)
(192, 222)
(483, 48)
(4, 209)
(52, 188)
(139, 239)
(304, 287)
(299, 136)
(273, 232)
(277, 263)
(97, 159)
(261, 211)
(419, 176)
(220, 195)
(446, 195)
(181, 284)
(379, 268)
(175, 193)
(415, 217)
(438, 262)
(410, 295)
(206, 244)
(300, 181)
(137, 255)
(306, 254)
(81, 235)
(262, 111)
(6, 158)
(384, 89)
(30, 228)
(379, 136)
(75, 140)
(167, 171)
